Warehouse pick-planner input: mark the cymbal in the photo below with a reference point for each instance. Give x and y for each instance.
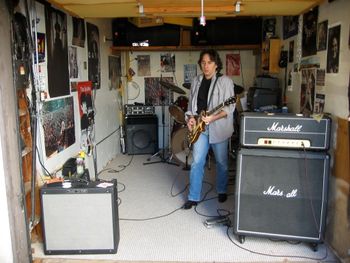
(171, 87)
(186, 85)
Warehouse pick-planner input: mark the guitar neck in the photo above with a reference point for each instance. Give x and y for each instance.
(220, 106)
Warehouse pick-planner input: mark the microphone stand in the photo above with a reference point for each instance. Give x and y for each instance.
(162, 157)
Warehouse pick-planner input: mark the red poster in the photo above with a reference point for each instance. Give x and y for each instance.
(86, 108)
(233, 64)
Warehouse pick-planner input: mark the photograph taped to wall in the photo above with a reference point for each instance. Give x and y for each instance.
(167, 62)
(319, 103)
(73, 63)
(156, 94)
(143, 65)
(58, 125)
(233, 64)
(320, 77)
(57, 50)
(94, 67)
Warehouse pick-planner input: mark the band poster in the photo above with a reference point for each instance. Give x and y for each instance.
(93, 45)
(57, 50)
(86, 110)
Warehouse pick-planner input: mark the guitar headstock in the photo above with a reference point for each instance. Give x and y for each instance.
(230, 100)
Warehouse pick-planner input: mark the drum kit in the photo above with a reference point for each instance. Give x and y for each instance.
(179, 147)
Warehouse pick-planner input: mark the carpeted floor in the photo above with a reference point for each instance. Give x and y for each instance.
(154, 228)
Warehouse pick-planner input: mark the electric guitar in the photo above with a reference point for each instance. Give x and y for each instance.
(193, 135)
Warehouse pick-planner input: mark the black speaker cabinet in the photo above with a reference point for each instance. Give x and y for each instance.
(281, 194)
(80, 218)
(141, 134)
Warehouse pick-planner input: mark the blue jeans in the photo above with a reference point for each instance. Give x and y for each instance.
(200, 151)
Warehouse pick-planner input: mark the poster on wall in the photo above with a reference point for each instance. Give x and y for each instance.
(290, 26)
(322, 33)
(333, 49)
(156, 94)
(94, 68)
(86, 109)
(233, 64)
(143, 65)
(78, 38)
(190, 72)
(309, 34)
(307, 91)
(58, 125)
(114, 72)
(167, 62)
(57, 50)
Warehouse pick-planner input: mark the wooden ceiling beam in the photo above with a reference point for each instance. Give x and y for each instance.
(189, 9)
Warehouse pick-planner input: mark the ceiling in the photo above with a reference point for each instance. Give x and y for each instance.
(182, 9)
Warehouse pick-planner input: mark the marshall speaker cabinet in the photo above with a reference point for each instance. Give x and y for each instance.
(281, 193)
(80, 218)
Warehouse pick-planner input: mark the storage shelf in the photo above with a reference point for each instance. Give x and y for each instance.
(186, 48)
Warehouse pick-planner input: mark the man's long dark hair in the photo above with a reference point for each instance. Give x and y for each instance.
(214, 56)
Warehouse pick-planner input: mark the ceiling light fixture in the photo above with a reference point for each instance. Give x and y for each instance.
(141, 11)
(238, 6)
(202, 18)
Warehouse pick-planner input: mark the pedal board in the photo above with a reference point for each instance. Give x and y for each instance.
(217, 221)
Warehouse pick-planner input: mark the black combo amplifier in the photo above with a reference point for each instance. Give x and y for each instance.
(80, 217)
(284, 131)
(132, 109)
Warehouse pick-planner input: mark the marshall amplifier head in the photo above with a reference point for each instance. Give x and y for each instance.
(284, 131)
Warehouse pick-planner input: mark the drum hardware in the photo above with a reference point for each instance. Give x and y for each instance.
(186, 85)
(178, 108)
(179, 146)
(171, 87)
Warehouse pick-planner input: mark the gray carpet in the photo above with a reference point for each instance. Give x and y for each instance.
(154, 228)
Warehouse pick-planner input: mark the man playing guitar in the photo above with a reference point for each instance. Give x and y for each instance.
(207, 91)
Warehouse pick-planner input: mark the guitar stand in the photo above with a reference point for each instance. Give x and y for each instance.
(161, 153)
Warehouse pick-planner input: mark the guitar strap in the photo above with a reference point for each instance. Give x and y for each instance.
(212, 91)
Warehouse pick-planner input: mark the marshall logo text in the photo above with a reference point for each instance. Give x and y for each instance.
(275, 127)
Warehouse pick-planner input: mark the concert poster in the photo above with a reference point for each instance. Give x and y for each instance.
(58, 125)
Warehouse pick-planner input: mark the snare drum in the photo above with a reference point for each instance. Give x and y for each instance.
(178, 109)
(179, 146)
